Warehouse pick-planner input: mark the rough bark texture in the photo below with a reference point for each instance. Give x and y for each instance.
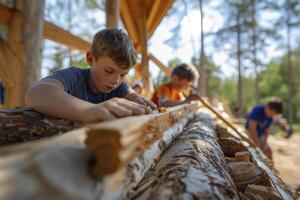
(188, 164)
(20, 125)
(193, 167)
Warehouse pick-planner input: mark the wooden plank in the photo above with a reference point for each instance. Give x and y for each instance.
(157, 13)
(161, 66)
(150, 127)
(112, 13)
(61, 36)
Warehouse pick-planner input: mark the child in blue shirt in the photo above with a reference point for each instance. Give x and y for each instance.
(95, 94)
(260, 119)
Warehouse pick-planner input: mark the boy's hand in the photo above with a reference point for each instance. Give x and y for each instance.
(113, 109)
(141, 100)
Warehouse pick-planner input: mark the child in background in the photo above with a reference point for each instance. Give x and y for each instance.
(171, 93)
(259, 121)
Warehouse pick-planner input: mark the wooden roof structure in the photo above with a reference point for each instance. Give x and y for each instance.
(140, 18)
(154, 11)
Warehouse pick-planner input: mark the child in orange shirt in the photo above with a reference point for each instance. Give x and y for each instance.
(170, 94)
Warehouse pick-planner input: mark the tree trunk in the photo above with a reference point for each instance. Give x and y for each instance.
(202, 71)
(25, 40)
(239, 53)
(254, 58)
(289, 73)
(20, 125)
(112, 13)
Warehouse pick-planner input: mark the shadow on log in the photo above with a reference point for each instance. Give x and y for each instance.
(23, 124)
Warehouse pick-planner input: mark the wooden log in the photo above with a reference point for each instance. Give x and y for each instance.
(192, 167)
(57, 168)
(124, 139)
(278, 185)
(21, 124)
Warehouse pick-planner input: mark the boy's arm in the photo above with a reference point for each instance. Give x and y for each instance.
(253, 132)
(48, 96)
(164, 102)
(267, 133)
(169, 103)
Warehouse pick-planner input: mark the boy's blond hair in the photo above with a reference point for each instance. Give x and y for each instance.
(116, 45)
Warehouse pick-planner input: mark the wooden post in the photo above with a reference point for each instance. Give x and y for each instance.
(112, 13)
(25, 41)
(144, 47)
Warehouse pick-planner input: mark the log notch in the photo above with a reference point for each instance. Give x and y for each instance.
(20, 125)
(192, 167)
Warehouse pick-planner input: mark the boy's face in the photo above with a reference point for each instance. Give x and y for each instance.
(272, 113)
(181, 84)
(106, 75)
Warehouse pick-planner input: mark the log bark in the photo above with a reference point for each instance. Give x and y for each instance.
(192, 167)
(20, 125)
(181, 165)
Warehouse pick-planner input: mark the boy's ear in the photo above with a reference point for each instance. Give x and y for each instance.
(90, 58)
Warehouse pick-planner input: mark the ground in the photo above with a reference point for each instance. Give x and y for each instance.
(286, 155)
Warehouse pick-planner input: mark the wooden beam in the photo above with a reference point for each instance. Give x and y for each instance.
(51, 31)
(112, 12)
(61, 36)
(161, 66)
(129, 22)
(158, 11)
(117, 142)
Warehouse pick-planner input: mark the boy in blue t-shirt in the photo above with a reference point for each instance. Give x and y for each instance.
(259, 120)
(95, 94)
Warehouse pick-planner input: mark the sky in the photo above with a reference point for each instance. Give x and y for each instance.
(188, 39)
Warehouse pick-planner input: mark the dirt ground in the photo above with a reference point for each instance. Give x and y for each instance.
(286, 155)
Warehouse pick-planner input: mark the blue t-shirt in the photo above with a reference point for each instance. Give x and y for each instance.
(259, 116)
(76, 83)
